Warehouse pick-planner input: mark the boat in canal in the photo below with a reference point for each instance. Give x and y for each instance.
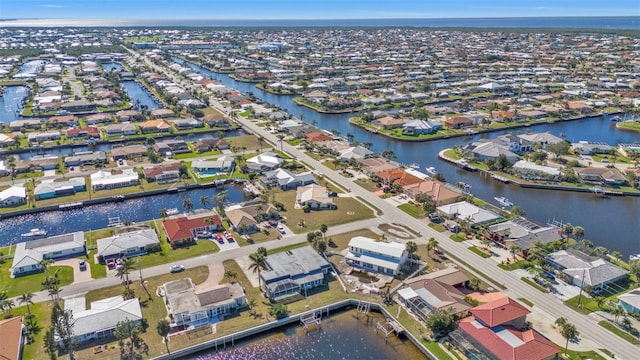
(34, 234)
(616, 119)
(172, 211)
(431, 170)
(503, 201)
(414, 166)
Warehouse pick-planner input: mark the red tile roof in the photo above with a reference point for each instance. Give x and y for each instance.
(499, 311)
(89, 130)
(153, 172)
(317, 136)
(182, 227)
(10, 332)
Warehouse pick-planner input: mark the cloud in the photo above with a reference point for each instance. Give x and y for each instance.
(50, 6)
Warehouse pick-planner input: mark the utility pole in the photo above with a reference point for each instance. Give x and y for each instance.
(581, 287)
(140, 269)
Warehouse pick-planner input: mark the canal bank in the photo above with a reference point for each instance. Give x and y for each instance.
(362, 344)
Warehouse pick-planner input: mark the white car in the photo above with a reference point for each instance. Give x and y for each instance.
(280, 228)
(176, 268)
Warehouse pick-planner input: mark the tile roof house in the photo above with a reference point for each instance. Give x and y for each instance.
(29, 254)
(420, 127)
(191, 307)
(13, 339)
(608, 176)
(209, 144)
(89, 131)
(497, 329)
(398, 176)
(129, 244)
(121, 129)
(458, 122)
(86, 158)
(162, 113)
(100, 320)
(242, 221)
(389, 122)
(291, 272)
(155, 126)
(437, 191)
(586, 271)
(314, 196)
(187, 228)
(371, 255)
(483, 150)
(128, 151)
(163, 174)
(317, 136)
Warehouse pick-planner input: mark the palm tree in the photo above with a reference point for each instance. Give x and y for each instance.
(26, 298)
(257, 265)
(617, 311)
(204, 201)
(514, 250)
(560, 322)
(251, 303)
(163, 213)
(569, 332)
(431, 244)
(260, 141)
(411, 248)
(163, 329)
(280, 138)
(126, 265)
(7, 304)
(262, 251)
(475, 283)
(323, 229)
(231, 275)
(187, 205)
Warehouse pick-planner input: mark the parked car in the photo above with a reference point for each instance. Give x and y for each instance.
(219, 238)
(83, 265)
(176, 268)
(281, 229)
(228, 236)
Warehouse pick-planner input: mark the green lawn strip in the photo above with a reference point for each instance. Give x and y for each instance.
(367, 184)
(458, 237)
(196, 154)
(476, 271)
(527, 302)
(435, 349)
(621, 333)
(437, 227)
(580, 355)
(532, 283)
(378, 211)
(97, 270)
(341, 241)
(587, 304)
(609, 353)
(514, 266)
(477, 251)
(32, 282)
(415, 211)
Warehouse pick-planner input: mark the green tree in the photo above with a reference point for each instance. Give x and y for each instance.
(164, 213)
(634, 269)
(50, 346)
(163, 329)
(514, 250)
(257, 265)
(204, 201)
(432, 244)
(62, 325)
(517, 211)
(568, 332)
(411, 248)
(231, 275)
(124, 269)
(126, 329)
(439, 321)
(558, 149)
(26, 299)
(567, 229)
(578, 232)
(279, 311)
(323, 229)
(262, 251)
(187, 205)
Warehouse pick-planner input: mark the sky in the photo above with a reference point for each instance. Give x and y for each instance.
(310, 9)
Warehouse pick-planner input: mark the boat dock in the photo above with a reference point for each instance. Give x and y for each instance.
(389, 327)
(502, 179)
(70, 206)
(114, 221)
(310, 320)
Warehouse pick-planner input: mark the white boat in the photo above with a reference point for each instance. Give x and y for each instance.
(35, 234)
(616, 119)
(634, 257)
(172, 211)
(114, 221)
(414, 166)
(503, 201)
(431, 170)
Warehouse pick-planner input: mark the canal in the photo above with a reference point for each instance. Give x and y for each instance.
(11, 103)
(97, 216)
(610, 222)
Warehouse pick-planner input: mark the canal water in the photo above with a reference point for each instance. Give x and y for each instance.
(97, 216)
(11, 102)
(341, 336)
(610, 222)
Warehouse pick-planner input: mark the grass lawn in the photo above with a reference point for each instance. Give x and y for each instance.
(534, 284)
(458, 237)
(587, 304)
(287, 248)
(621, 333)
(437, 227)
(436, 350)
(42, 313)
(580, 355)
(513, 266)
(480, 252)
(348, 210)
(247, 142)
(30, 283)
(196, 154)
(367, 184)
(341, 241)
(415, 211)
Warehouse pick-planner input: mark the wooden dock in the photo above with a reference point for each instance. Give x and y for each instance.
(310, 320)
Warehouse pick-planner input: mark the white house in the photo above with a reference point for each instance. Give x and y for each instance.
(101, 180)
(14, 195)
(466, 211)
(101, 319)
(223, 165)
(371, 255)
(265, 161)
(28, 255)
(314, 196)
(285, 179)
(128, 244)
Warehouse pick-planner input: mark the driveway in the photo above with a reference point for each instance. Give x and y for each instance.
(78, 275)
(244, 262)
(216, 273)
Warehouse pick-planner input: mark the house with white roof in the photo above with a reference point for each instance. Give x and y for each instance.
(586, 271)
(466, 211)
(630, 301)
(52, 189)
(372, 255)
(103, 179)
(29, 254)
(285, 179)
(223, 165)
(531, 171)
(128, 244)
(314, 196)
(419, 127)
(266, 161)
(101, 319)
(14, 195)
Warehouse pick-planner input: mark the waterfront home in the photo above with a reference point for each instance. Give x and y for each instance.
(63, 121)
(531, 171)
(420, 127)
(241, 221)
(120, 129)
(458, 122)
(100, 320)
(438, 290)
(186, 229)
(50, 189)
(542, 139)
(128, 115)
(372, 166)
(397, 176)
(99, 118)
(86, 132)
(162, 113)
(13, 195)
(191, 307)
(630, 301)
(522, 233)
(285, 179)
(467, 212)
(155, 126)
(591, 148)
(372, 255)
(28, 255)
(583, 270)
(315, 197)
(7, 139)
(128, 152)
(629, 150)
(288, 275)
(263, 162)
(78, 106)
(185, 124)
(603, 176)
(215, 120)
(388, 123)
(103, 179)
(38, 137)
(317, 136)
(355, 153)
(209, 144)
(163, 174)
(222, 165)
(171, 146)
(86, 158)
(487, 149)
(12, 332)
(437, 191)
(27, 124)
(127, 244)
(37, 162)
(498, 330)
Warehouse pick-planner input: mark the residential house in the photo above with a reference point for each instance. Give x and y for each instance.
(28, 255)
(155, 126)
(483, 150)
(531, 171)
(7, 139)
(399, 177)
(355, 153)
(101, 319)
(436, 291)
(315, 197)
(86, 158)
(171, 146)
(91, 132)
(185, 229)
(204, 168)
(162, 113)
(52, 189)
(584, 270)
(128, 152)
(264, 162)
(388, 123)
(290, 274)
(591, 148)
(128, 244)
(630, 301)
(163, 174)
(467, 212)
(13, 195)
(99, 118)
(192, 307)
(371, 255)
(458, 122)
(421, 127)
(38, 137)
(215, 120)
(121, 129)
(184, 124)
(63, 121)
(12, 333)
(285, 179)
(242, 221)
(604, 176)
(27, 124)
(514, 143)
(522, 233)
(542, 139)
(497, 329)
(128, 115)
(209, 144)
(374, 166)
(438, 192)
(317, 136)
(103, 179)
(78, 106)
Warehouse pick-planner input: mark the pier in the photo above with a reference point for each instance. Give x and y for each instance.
(70, 206)
(310, 320)
(389, 327)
